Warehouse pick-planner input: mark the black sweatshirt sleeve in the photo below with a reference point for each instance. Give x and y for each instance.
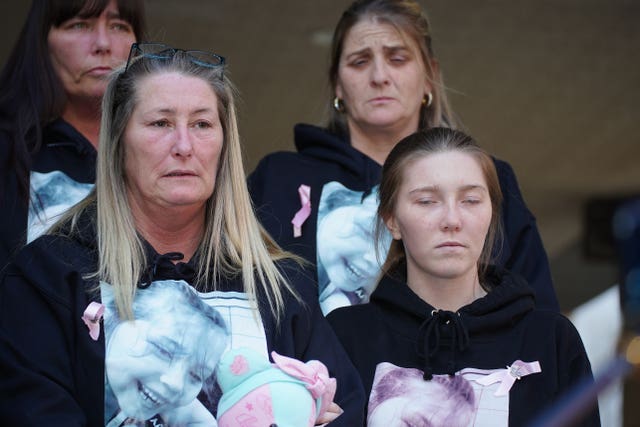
(46, 358)
(522, 251)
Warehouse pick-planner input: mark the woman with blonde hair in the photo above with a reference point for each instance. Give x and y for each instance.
(170, 203)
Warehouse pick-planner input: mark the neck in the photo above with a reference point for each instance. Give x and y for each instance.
(85, 118)
(446, 293)
(172, 230)
(378, 142)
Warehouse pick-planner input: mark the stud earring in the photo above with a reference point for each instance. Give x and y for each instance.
(338, 105)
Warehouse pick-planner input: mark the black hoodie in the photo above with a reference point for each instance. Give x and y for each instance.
(491, 333)
(53, 373)
(323, 158)
(64, 150)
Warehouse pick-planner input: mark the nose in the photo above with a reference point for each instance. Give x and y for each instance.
(102, 39)
(451, 220)
(379, 73)
(182, 146)
(174, 377)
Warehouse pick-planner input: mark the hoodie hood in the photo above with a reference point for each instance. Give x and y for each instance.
(59, 133)
(158, 266)
(320, 144)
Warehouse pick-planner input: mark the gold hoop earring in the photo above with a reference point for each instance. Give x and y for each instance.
(427, 100)
(338, 105)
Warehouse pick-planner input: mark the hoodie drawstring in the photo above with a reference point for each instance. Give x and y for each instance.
(430, 330)
(152, 270)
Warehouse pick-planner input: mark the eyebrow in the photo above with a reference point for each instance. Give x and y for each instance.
(387, 49)
(169, 110)
(114, 15)
(435, 188)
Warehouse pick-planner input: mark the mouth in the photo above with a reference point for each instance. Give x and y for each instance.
(354, 272)
(450, 245)
(100, 71)
(381, 99)
(150, 398)
(179, 174)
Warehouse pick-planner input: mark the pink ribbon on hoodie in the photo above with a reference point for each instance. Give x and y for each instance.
(507, 377)
(314, 373)
(91, 317)
(301, 216)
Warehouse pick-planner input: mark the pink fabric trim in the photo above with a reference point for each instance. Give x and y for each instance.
(91, 317)
(508, 376)
(301, 216)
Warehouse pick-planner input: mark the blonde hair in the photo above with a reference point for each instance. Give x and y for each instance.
(233, 241)
(422, 144)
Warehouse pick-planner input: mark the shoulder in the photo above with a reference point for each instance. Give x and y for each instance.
(282, 162)
(555, 326)
(352, 318)
(300, 276)
(275, 170)
(53, 266)
(56, 250)
(506, 176)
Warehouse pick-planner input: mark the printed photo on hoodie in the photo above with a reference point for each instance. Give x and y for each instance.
(52, 194)
(160, 366)
(400, 397)
(347, 262)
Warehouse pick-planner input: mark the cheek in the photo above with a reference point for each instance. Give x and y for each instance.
(123, 46)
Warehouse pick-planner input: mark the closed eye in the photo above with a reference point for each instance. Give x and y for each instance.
(398, 59)
(161, 351)
(471, 201)
(195, 377)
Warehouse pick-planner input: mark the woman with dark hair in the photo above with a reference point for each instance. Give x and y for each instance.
(458, 341)
(386, 84)
(50, 92)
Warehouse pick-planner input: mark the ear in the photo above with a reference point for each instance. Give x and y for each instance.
(393, 228)
(339, 91)
(433, 78)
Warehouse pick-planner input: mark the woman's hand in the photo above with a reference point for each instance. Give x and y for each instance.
(332, 412)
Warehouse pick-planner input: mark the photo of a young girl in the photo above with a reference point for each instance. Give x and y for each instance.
(401, 397)
(347, 261)
(51, 195)
(158, 363)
